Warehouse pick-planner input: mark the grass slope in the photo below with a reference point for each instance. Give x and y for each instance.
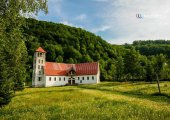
(103, 101)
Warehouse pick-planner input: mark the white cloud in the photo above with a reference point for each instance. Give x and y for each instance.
(81, 17)
(100, 29)
(115, 20)
(122, 17)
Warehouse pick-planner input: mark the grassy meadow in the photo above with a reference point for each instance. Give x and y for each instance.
(104, 101)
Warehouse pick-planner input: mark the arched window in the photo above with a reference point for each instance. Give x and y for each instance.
(92, 77)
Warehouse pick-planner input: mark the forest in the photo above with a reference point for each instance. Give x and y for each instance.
(140, 61)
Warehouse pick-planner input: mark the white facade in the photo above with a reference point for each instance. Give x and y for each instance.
(39, 78)
(64, 80)
(38, 72)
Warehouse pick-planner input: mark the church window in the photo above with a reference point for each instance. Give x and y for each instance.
(80, 81)
(49, 78)
(92, 77)
(78, 78)
(59, 78)
(39, 78)
(82, 78)
(55, 79)
(87, 78)
(64, 78)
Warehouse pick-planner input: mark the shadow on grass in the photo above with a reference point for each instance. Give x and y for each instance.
(136, 94)
(161, 94)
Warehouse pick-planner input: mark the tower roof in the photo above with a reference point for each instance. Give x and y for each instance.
(40, 50)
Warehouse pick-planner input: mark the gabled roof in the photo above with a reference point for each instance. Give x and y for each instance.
(86, 68)
(57, 69)
(40, 50)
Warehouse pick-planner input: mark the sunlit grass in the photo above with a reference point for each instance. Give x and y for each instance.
(102, 101)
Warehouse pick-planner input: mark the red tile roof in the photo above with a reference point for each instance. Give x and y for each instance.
(40, 50)
(52, 68)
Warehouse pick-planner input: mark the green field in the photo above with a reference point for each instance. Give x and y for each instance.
(104, 101)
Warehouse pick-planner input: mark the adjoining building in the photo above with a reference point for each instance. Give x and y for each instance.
(46, 74)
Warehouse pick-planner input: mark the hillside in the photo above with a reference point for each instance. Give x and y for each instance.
(153, 47)
(69, 44)
(137, 61)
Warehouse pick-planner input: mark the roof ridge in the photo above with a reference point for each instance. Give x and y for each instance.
(40, 50)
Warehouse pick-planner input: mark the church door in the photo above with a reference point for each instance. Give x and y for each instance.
(69, 82)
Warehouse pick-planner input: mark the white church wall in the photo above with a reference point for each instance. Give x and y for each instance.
(86, 79)
(63, 80)
(56, 81)
(38, 82)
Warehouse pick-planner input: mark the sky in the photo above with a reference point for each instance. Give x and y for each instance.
(116, 21)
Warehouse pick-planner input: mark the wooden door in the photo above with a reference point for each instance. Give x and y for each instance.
(69, 82)
(73, 82)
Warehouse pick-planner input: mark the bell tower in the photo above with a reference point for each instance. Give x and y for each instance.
(38, 68)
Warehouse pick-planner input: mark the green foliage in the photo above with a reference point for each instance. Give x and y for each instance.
(132, 62)
(6, 91)
(70, 45)
(119, 68)
(13, 52)
(59, 59)
(75, 45)
(153, 47)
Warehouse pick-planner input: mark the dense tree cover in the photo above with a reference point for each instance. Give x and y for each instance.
(70, 45)
(75, 45)
(153, 47)
(13, 52)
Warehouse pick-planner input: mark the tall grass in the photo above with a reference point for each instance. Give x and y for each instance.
(104, 101)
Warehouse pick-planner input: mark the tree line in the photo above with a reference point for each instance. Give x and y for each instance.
(117, 62)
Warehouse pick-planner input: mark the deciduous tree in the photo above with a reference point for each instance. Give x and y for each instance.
(13, 53)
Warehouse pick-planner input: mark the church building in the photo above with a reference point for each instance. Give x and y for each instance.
(46, 74)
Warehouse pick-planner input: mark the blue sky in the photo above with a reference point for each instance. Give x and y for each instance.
(114, 20)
